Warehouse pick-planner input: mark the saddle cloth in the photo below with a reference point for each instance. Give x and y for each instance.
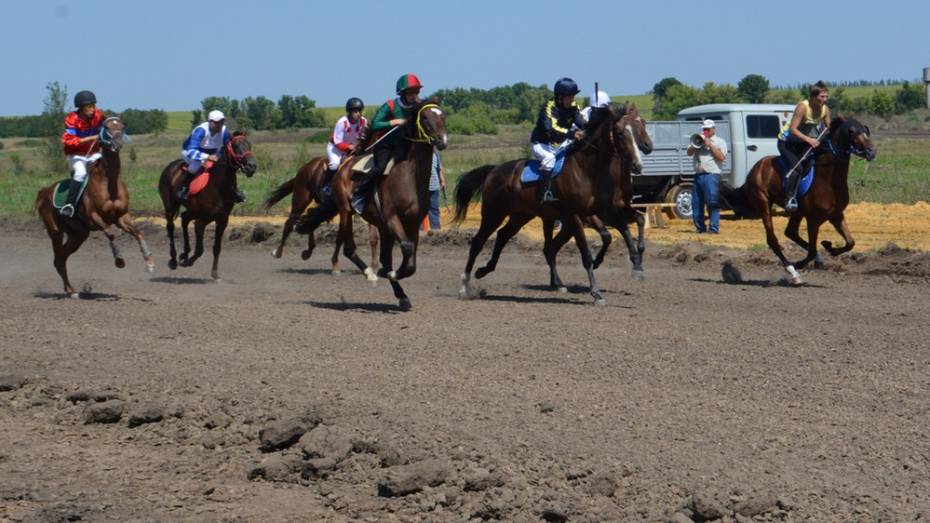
(804, 185)
(367, 162)
(530, 172)
(60, 193)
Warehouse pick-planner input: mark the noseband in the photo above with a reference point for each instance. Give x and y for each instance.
(422, 135)
(237, 160)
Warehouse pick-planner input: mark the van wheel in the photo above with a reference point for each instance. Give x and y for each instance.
(680, 195)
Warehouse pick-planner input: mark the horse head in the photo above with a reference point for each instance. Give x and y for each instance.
(238, 152)
(112, 134)
(849, 136)
(430, 125)
(643, 140)
(626, 133)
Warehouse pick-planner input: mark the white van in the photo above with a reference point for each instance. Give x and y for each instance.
(750, 130)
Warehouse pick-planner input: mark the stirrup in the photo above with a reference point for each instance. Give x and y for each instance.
(791, 205)
(358, 204)
(326, 190)
(548, 197)
(182, 194)
(67, 210)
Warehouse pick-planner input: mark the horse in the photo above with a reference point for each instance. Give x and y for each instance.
(400, 202)
(580, 185)
(306, 187)
(615, 203)
(212, 204)
(104, 204)
(825, 201)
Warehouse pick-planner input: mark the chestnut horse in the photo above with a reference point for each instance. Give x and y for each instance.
(580, 187)
(825, 201)
(306, 186)
(212, 204)
(104, 204)
(400, 202)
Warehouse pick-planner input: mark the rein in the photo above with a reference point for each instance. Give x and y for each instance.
(422, 135)
(238, 160)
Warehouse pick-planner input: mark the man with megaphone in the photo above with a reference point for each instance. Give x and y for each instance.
(708, 164)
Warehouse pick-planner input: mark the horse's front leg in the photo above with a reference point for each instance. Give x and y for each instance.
(605, 241)
(551, 248)
(773, 244)
(218, 245)
(621, 223)
(582, 242)
(125, 223)
(813, 227)
(185, 221)
(504, 234)
(107, 229)
(200, 226)
(839, 223)
(349, 248)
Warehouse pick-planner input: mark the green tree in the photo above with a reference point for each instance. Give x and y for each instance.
(53, 114)
(660, 93)
(882, 104)
(261, 112)
(677, 97)
(753, 88)
(909, 97)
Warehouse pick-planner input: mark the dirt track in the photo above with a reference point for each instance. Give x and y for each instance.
(685, 396)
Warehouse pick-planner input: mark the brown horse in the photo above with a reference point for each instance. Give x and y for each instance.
(825, 201)
(212, 204)
(306, 187)
(614, 199)
(400, 203)
(104, 204)
(581, 189)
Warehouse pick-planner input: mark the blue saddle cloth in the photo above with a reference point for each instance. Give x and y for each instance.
(806, 181)
(530, 172)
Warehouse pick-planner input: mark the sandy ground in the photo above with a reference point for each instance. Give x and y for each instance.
(684, 399)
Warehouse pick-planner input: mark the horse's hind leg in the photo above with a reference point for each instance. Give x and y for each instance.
(621, 223)
(582, 241)
(349, 248)
(511, 228)
(489, 223)
(551, 249)
(813, 227)
(839, 223)
(288, 227)
(199, 227)
(217, 245)
(373, 241)
(605, 242)
(169, 228)
(185, 221)
(63, 251)
(125, 223)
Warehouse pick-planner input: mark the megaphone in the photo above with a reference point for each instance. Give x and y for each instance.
(697, 140)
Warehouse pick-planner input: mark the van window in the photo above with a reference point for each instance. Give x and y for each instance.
(762, 126)
(715, 117)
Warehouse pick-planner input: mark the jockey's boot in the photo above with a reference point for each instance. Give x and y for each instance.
(327, 182)
(545, 187)
(185, 183)
(238, 196)
(791, 191)
(68, 209)
(360, 196)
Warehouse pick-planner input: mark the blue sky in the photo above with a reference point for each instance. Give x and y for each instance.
(170, 54)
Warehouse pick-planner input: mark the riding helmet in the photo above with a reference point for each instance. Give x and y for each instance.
(408, 81)
(354, 104)
(566, 87)
(83, 98)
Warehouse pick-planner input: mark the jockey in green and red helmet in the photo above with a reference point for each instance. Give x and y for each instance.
(392, 114)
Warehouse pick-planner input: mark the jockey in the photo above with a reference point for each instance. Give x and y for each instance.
(203, 145)
(82, 127)
(811, 118)
(600, 100)
(553, 129)
(390, 115)
(349, 132)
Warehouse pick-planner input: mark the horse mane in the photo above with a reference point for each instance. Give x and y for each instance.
(600, 115)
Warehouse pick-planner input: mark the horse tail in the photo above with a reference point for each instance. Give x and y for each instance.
(466, 188)
(735, 198)
(283, 190)
(35, 205)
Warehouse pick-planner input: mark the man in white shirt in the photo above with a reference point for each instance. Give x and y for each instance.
(708, 164)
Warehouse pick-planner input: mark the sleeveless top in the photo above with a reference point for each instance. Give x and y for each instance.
(809, 125)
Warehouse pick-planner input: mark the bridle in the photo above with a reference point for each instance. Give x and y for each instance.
(106, 137)
(422, 135)
(237, 160)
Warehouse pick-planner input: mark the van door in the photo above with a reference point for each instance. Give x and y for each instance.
(761, 136)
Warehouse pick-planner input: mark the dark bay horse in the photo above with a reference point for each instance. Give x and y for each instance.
(104, 205)
(614, 202)
(580, 186)
(212, 204)
(306, 187)
(400, 203)
(825, 201)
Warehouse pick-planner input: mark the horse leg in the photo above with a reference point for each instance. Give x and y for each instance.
(349, 249)
(335, 258)
(278, 251)
(218, 245)
(63, 251)
(621, 223)
(605, 243)
(489, 223)
(395, 227)
(185, 221)
(839, 223)
(199, 227)
(813, 227)
(386, 253)
(169, 227)
(551, 249)
(107, 229)
(582, 242)
(791, 232)
(508, 231)
(773, 244)
(373, 241)
(125, 223)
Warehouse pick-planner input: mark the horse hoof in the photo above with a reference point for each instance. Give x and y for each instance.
(336, 272)
(600, 302)
(172, 264)
(276, 253)
(392, 275)
(74, 296)
(119, 262)
(562, 289)
(405, 304)
(304, 255)
(370, 275)
(639, 275)
(150, 267)
(463, 293)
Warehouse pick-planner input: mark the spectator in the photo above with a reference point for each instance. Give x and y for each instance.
(708, 164)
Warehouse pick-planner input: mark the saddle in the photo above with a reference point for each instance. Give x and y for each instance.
(199, 180)
(530, 172)
(60, 192)
(366, 163)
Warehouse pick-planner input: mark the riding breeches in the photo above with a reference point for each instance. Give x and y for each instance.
(333, 156)
(545, 153)
(79, 165)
